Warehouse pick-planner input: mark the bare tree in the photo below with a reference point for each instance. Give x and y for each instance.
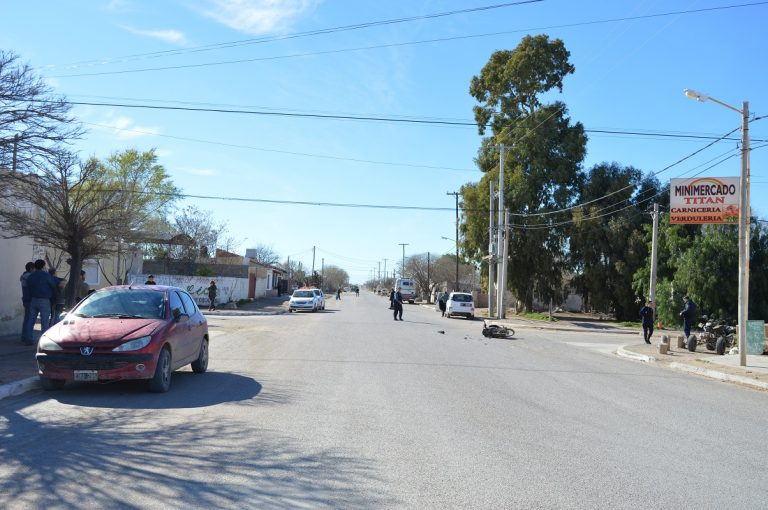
(441, 269)
(204, 232)
(34, 123)
(264, 255)
(80, 208)
(334, 278)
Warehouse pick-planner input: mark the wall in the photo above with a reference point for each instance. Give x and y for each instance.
(229, 289)
(14, 254)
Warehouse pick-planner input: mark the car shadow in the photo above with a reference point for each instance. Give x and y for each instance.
(188, 390)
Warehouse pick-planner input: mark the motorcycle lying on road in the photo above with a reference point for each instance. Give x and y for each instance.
(717, 335)
(497, 331)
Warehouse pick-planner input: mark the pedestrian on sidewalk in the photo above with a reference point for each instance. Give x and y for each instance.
(82, 288)
(338, 293)
(647, 315)
(41, 288)
(150, 280)
(688, 313)
(28, 268)
(212, 291)
(397, 302)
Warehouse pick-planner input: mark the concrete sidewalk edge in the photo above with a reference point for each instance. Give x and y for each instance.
(721, 376)
(624, 353)
(16, 388)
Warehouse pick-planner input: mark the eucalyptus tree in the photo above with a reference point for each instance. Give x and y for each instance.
(544, 152)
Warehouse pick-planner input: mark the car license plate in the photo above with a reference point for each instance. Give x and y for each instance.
(86, 375)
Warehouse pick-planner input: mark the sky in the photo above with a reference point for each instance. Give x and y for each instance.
(263, 174)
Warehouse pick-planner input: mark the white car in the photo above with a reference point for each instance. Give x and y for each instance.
(305, 299)
(460, 303)
(320, 298)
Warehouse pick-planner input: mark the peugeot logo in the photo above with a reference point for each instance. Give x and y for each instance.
(86, 350)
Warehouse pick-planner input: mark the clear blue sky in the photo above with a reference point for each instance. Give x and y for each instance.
(630, 75)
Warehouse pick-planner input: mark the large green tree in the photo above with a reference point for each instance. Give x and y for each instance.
(607, 241)
(544, 151)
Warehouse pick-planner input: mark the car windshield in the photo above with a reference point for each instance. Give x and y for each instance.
(303, 293)
(123, 304)
(462, 298)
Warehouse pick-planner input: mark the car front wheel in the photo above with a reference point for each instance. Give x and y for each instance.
(161, 381)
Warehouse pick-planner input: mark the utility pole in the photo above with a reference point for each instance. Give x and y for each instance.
(322, 272)
(500, 246)
(429, 287)
(385, 269)
(313, 261)
(503, 270)
(654, 254)
(491, 258)
(402, 269)
(379, 273)
(456, 282)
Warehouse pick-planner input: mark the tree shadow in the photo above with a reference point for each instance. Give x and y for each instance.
(56, 455)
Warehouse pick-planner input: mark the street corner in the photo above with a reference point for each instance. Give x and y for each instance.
(636, 352)
(16, 388)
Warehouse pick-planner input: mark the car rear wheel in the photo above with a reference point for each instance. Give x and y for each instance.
(51, 384)
(161, 381)
(200, 365)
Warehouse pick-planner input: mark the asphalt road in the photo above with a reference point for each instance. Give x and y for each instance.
(348, 408)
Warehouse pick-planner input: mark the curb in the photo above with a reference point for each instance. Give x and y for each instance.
(720, 376)
(241, 313)
(16, 388)
(623, 353)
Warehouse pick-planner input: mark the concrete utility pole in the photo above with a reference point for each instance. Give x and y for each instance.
(379, 273)
(654, 254)
(491, 258)
(313, 261)
(402, 269)
(503, 270)
(322, 272)
(456, 282)
(500, 246)
(385, 269)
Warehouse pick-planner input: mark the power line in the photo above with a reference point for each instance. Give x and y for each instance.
(297, 35)
(409, 43)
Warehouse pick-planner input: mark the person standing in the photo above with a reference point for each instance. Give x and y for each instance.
(28, 268)
(150, 280)
(688, 313)
(338, 293)
(392, 299)
(57, 303)
(397, 302)
(212, 291)
(647, 315)
(41, 288)
(81, 289)
(442, 302)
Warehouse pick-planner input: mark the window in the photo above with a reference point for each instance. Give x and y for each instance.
(189, 304)
(176, 305)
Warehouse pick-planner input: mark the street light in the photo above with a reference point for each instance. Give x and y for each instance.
(744, 218)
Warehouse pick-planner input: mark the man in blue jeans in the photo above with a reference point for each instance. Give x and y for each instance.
(30, 266)
(41, 287)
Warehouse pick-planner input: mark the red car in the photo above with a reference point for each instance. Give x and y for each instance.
(125, 332)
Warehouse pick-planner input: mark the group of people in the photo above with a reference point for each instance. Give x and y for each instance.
(648, 317)
(42, 294)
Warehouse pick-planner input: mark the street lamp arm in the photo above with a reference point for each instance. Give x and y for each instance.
(702, 98)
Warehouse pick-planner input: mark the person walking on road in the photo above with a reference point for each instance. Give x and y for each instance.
(397, 302)
(338, 293)
(688, 314)
(392, 299)
(28, 268)
(41, 287)
(212, 291)
(647, 315)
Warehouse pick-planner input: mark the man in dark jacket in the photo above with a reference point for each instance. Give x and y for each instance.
(42, 288)
(397, 302)
(28, 268)
(688, 314)
(647, 316)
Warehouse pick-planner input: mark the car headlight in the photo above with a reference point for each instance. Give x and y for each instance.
(46, 344)
(133, 345)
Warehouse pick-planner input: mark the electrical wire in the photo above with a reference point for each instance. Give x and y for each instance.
(409, 43)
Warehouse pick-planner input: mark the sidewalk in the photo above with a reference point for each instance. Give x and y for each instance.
(702, 362)
(18, 369)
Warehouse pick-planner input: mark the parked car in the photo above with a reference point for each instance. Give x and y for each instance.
(125, 332)
(407, 289)
(460, 303)
(320, 298)
(306, 299)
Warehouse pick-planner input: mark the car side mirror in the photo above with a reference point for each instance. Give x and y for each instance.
(179, 316)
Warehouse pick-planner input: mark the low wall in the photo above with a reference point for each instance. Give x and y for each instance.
(229, 289)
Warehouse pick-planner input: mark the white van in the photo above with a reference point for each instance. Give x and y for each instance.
(407, 289)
